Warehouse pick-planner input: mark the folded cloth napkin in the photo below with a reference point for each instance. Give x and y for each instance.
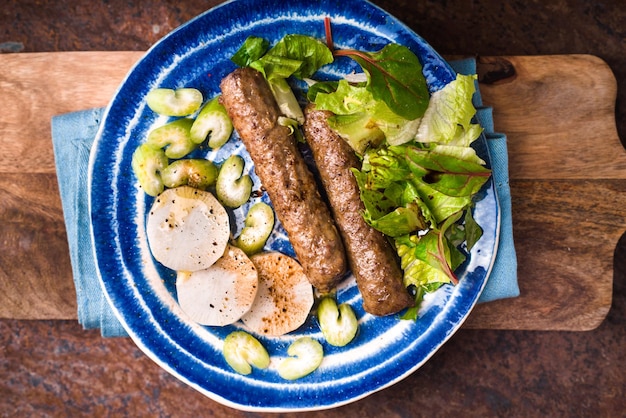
(72, 137)
(502, 281)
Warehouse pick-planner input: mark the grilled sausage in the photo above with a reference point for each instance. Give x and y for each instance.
(371, 257)
(285, 176)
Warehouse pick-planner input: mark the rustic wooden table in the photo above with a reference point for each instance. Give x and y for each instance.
(525, 357)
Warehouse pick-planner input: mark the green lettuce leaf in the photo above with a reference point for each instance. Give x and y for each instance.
(358, 130)
(251, 50)
(274, 67)
(472, 230)
(449, 114)
(399, 222)
(294, 55)
(395, 78)
(441, 205)
(345, 99)
(428, 258)
(362, 120)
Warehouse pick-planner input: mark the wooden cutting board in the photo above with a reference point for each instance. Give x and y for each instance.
(567, 169)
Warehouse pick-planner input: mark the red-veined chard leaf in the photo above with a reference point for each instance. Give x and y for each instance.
(395, 77)
(455, 171)
(429, 258)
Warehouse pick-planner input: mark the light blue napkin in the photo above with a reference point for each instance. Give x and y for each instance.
(502, 282)
(72, 137)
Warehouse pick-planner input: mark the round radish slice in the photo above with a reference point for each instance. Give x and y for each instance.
(284, 298)
(187, 229)
(221, 294)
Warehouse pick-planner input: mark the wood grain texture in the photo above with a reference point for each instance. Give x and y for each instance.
(565, 234)
(566, 168)
(559, 115)
(35, 270)
(40, 85)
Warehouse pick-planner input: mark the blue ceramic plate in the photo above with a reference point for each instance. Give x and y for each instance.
(142, 292)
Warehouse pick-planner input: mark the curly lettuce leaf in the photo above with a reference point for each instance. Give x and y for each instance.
(429, 261)
(448, 118)
(399, 222)
(421, 260)
(344, 99)
(360, 119)
(440, 179)
(428, 258)
(294, 55)
(358, 130)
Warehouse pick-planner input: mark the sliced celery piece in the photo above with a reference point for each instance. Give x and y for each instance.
(258, 226)
(148, 162)
(212, 122)
(174, 137)
(232, 188)
(242, 351)
(195, 172)
(306, 356)
(338, 323)
(170, 102)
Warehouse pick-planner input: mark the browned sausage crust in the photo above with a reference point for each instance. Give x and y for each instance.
(370, 255)
(286, 178)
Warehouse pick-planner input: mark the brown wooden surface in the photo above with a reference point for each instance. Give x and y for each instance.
(566, 167)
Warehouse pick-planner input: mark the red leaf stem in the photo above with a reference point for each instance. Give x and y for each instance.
(329, 34)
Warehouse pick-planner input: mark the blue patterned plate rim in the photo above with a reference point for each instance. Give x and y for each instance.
(142, 293)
